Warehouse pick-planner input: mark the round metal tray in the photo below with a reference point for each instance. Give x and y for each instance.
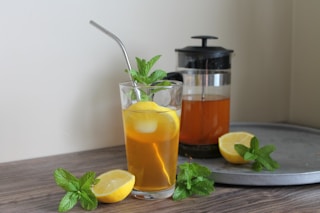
(297, 152)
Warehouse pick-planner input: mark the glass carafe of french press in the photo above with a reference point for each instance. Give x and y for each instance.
(205, 72)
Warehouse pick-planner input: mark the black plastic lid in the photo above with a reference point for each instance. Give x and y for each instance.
(199, 56)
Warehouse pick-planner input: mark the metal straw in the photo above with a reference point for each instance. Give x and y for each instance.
(134, 84)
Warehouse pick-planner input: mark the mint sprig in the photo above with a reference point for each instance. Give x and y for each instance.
(260, 156)
(193, 179)
(144, 76)
(76, 190)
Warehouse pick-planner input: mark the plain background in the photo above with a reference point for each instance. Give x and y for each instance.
(59, 75)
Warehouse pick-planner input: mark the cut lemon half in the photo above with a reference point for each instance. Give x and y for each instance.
(113, 186)
(227, 142)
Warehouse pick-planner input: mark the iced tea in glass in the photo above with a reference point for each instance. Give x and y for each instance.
(151, 129)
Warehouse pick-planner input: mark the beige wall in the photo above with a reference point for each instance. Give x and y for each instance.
(305, 90)
(261, 66)
(59, 75)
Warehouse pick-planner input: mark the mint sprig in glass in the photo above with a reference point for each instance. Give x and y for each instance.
(143, 76)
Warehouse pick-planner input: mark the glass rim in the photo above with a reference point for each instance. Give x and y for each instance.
(173, 85)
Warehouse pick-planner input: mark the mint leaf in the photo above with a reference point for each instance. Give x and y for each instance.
(180, 192)
(193, 179)
(257, 166)
(254, 143)
(185, 175)
(87, 180)
(264, 158)
(87, 200)
(136, 76)
(266, 150)
(142, 75)
(152, 62)
(66, 180)
(156, 76)
(202, 186)
(141, 64)
(260, 156)
(199, 170)
(145, 77)
(241, 149)
(144, 66)
(68, 201)
(162, 83)
(77, 189)
(249, 156)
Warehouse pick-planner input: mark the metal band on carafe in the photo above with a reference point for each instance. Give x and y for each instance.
(199, 77)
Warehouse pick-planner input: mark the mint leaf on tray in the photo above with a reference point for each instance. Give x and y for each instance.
(260, 156)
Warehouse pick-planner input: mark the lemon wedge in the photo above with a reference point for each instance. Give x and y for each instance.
(226, 146)
(113, 186)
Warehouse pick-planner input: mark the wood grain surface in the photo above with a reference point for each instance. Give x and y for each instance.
(29, 186)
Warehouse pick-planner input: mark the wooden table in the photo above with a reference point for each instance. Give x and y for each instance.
(29, 186)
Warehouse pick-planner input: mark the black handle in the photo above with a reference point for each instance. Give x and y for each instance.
(177, 76)
(204, 39)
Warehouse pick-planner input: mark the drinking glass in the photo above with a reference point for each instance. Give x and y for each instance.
(151, 121)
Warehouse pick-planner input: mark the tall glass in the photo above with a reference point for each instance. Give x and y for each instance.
(151, 130)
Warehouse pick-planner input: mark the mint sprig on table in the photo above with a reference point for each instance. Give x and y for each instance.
(144, 76)
(260, 156)
(193, 179)
(76, 190)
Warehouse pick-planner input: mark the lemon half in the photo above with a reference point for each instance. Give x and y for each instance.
(227, 142)
(113, 186)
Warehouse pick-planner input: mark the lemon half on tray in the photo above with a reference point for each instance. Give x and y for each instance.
(226, 146)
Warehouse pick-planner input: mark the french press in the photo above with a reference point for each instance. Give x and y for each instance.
(205, 116)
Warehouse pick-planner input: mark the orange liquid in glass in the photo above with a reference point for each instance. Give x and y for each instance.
(153, 152)
(204, 121)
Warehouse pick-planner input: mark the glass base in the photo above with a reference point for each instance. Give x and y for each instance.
(153, 195)
(199, 151)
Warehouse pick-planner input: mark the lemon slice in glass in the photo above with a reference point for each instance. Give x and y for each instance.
(146, 120)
